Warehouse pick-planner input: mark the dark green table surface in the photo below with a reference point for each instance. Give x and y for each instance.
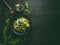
(45, 15)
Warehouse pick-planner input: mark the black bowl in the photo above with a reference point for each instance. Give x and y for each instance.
(23, 33)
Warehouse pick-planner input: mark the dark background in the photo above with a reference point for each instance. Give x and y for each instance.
(45, 16)
(46, 22)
